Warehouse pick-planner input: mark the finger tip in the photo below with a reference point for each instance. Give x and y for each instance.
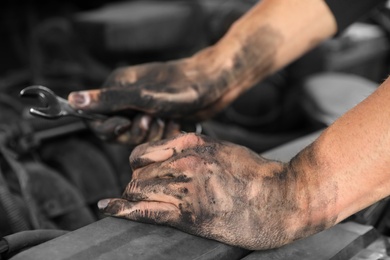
(102, 204)
(79, 99)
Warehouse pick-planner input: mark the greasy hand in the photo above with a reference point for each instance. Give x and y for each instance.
(212, 189)
(172, 89)
(183, 88)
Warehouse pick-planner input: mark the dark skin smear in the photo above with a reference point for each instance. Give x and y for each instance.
(215, 189)
(218, 190)
(141, 128)
(194, 88)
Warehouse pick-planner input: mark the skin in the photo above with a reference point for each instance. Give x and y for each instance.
(223, 191)
(267, 38)
(192, 183)
(139, 129)
(226, 192)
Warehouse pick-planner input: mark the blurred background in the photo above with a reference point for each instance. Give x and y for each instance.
(52, 172)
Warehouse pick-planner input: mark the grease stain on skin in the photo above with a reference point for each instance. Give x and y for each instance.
(135, 197)
(256, 63)
(155, 85)
(184, 190)
(208, 150)
(139, 162)
(323, 202)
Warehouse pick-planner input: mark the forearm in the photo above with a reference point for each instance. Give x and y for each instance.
(347, 168)
(268, 37)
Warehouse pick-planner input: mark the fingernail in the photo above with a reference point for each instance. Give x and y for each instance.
(80, 99)
(145, 122)
(102, 204)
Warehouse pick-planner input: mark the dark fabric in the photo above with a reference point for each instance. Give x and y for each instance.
(348, 11)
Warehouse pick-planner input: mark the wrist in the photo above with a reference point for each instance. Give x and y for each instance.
(316, 194)
(271, 35)
(242, 58)
(290, 207)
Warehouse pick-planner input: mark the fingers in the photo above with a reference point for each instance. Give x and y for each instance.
(150, 199)
(111, 128)
(169, 189)
(162, 150)
(142, 128)
(156, 130)
(109, 100)
(148, 129)
(172, 129)
(150, 98)
(122, 129)
(139, 130)
(144, 211)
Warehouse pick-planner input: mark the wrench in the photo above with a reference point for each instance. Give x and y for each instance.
(54, 106)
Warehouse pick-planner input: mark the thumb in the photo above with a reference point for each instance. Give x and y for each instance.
(84, 99)
(144, 211)
(109, 100)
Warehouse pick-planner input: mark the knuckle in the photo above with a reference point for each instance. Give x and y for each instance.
(137, 152)
(191, 138)
(120, 75)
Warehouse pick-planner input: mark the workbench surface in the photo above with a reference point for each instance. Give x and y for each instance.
(113, 238)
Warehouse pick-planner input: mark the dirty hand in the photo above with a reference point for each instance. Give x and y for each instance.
(194, 88)
(215, 190)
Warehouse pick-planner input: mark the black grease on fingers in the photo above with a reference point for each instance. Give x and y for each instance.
(152, 217)
(160, 78)
(110, 128)
(140, 188)
(184, 190)
(182, 178)
(156, 130)
(205, 149)
(115, 207)
(139, 162)
(134, 196)
(258, 62)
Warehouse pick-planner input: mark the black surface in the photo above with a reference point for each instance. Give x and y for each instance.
(348, 11)
(113, 238)
(338, 243)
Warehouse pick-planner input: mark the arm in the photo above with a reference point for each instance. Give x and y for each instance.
(225, 192)
(353, 155)
(267, 38)
(271, 35)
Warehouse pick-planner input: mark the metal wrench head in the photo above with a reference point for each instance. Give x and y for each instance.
(52, 106)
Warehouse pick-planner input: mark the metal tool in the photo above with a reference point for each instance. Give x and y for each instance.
(54, 106)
